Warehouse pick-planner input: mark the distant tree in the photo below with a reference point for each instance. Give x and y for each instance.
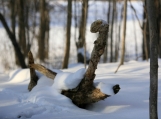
(22, 25)
(112, 26)
(108, 20)
(154, 39)
(146, 39)
(123, 35)
(16, 46)
(67, 47)
(43, 39)
(82, 32)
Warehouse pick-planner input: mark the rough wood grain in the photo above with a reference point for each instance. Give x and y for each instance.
(33, 76)
(85, 92)
(43, 70)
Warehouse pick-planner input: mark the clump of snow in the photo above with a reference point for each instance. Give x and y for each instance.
(67, 80)
(19, 75)
(81, 51)
(105, 88)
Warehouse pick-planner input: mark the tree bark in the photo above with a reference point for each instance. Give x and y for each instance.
(112, 25)
(123, 36)
(154, 39)
(21, 23)
(14, 42)
(33, 76)
(67, 47)
(105, 58)
(82, 32)
(43, 31)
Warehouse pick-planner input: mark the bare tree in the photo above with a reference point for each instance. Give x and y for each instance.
(67, 47)
(123, 36)
(145, 31)
(108, 20)
(21, 23)
(82, 32)
(152, 8)
(43, 31)
(12, 37)
(112, 26)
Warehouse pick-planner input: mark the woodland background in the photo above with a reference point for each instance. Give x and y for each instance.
(41, 26)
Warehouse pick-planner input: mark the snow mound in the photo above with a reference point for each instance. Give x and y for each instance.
(68, 80)
(105, 88)
(19, 75)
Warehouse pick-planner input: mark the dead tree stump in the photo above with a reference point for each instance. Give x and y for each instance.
(85, 92)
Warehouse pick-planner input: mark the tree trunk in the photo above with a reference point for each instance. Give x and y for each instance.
(111, 36)
(43, 31)
(154, 39)
(67, 49)
(146, 39)
(82, 32)
(123, 35)
(21, 23)
(14, 42)
(108, 20)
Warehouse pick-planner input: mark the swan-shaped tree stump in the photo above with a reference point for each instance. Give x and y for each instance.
(85, 93)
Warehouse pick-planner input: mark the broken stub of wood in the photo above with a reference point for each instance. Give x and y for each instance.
(43, 70)
(33, 76)
(85, 93)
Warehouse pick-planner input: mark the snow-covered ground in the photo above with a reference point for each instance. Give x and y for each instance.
(46, 102)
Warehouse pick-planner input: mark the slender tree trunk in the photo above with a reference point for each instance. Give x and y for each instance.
(145, 31)
(123, 35)
(12, 37)
(154, 39)
(44, 31)
(13, 15)
(82, 32)
(108, 20)
(67, 48)
(135, 38)
(111, 36)
(21, 22)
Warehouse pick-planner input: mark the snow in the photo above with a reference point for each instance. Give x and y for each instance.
(45, 100)
(105, 88)
(68, 80)
(81, 51)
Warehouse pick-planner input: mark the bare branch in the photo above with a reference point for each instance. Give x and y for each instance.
(47, 72)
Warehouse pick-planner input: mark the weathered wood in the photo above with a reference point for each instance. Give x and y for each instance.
(43, 70)
(33, 76)
(85, 92)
